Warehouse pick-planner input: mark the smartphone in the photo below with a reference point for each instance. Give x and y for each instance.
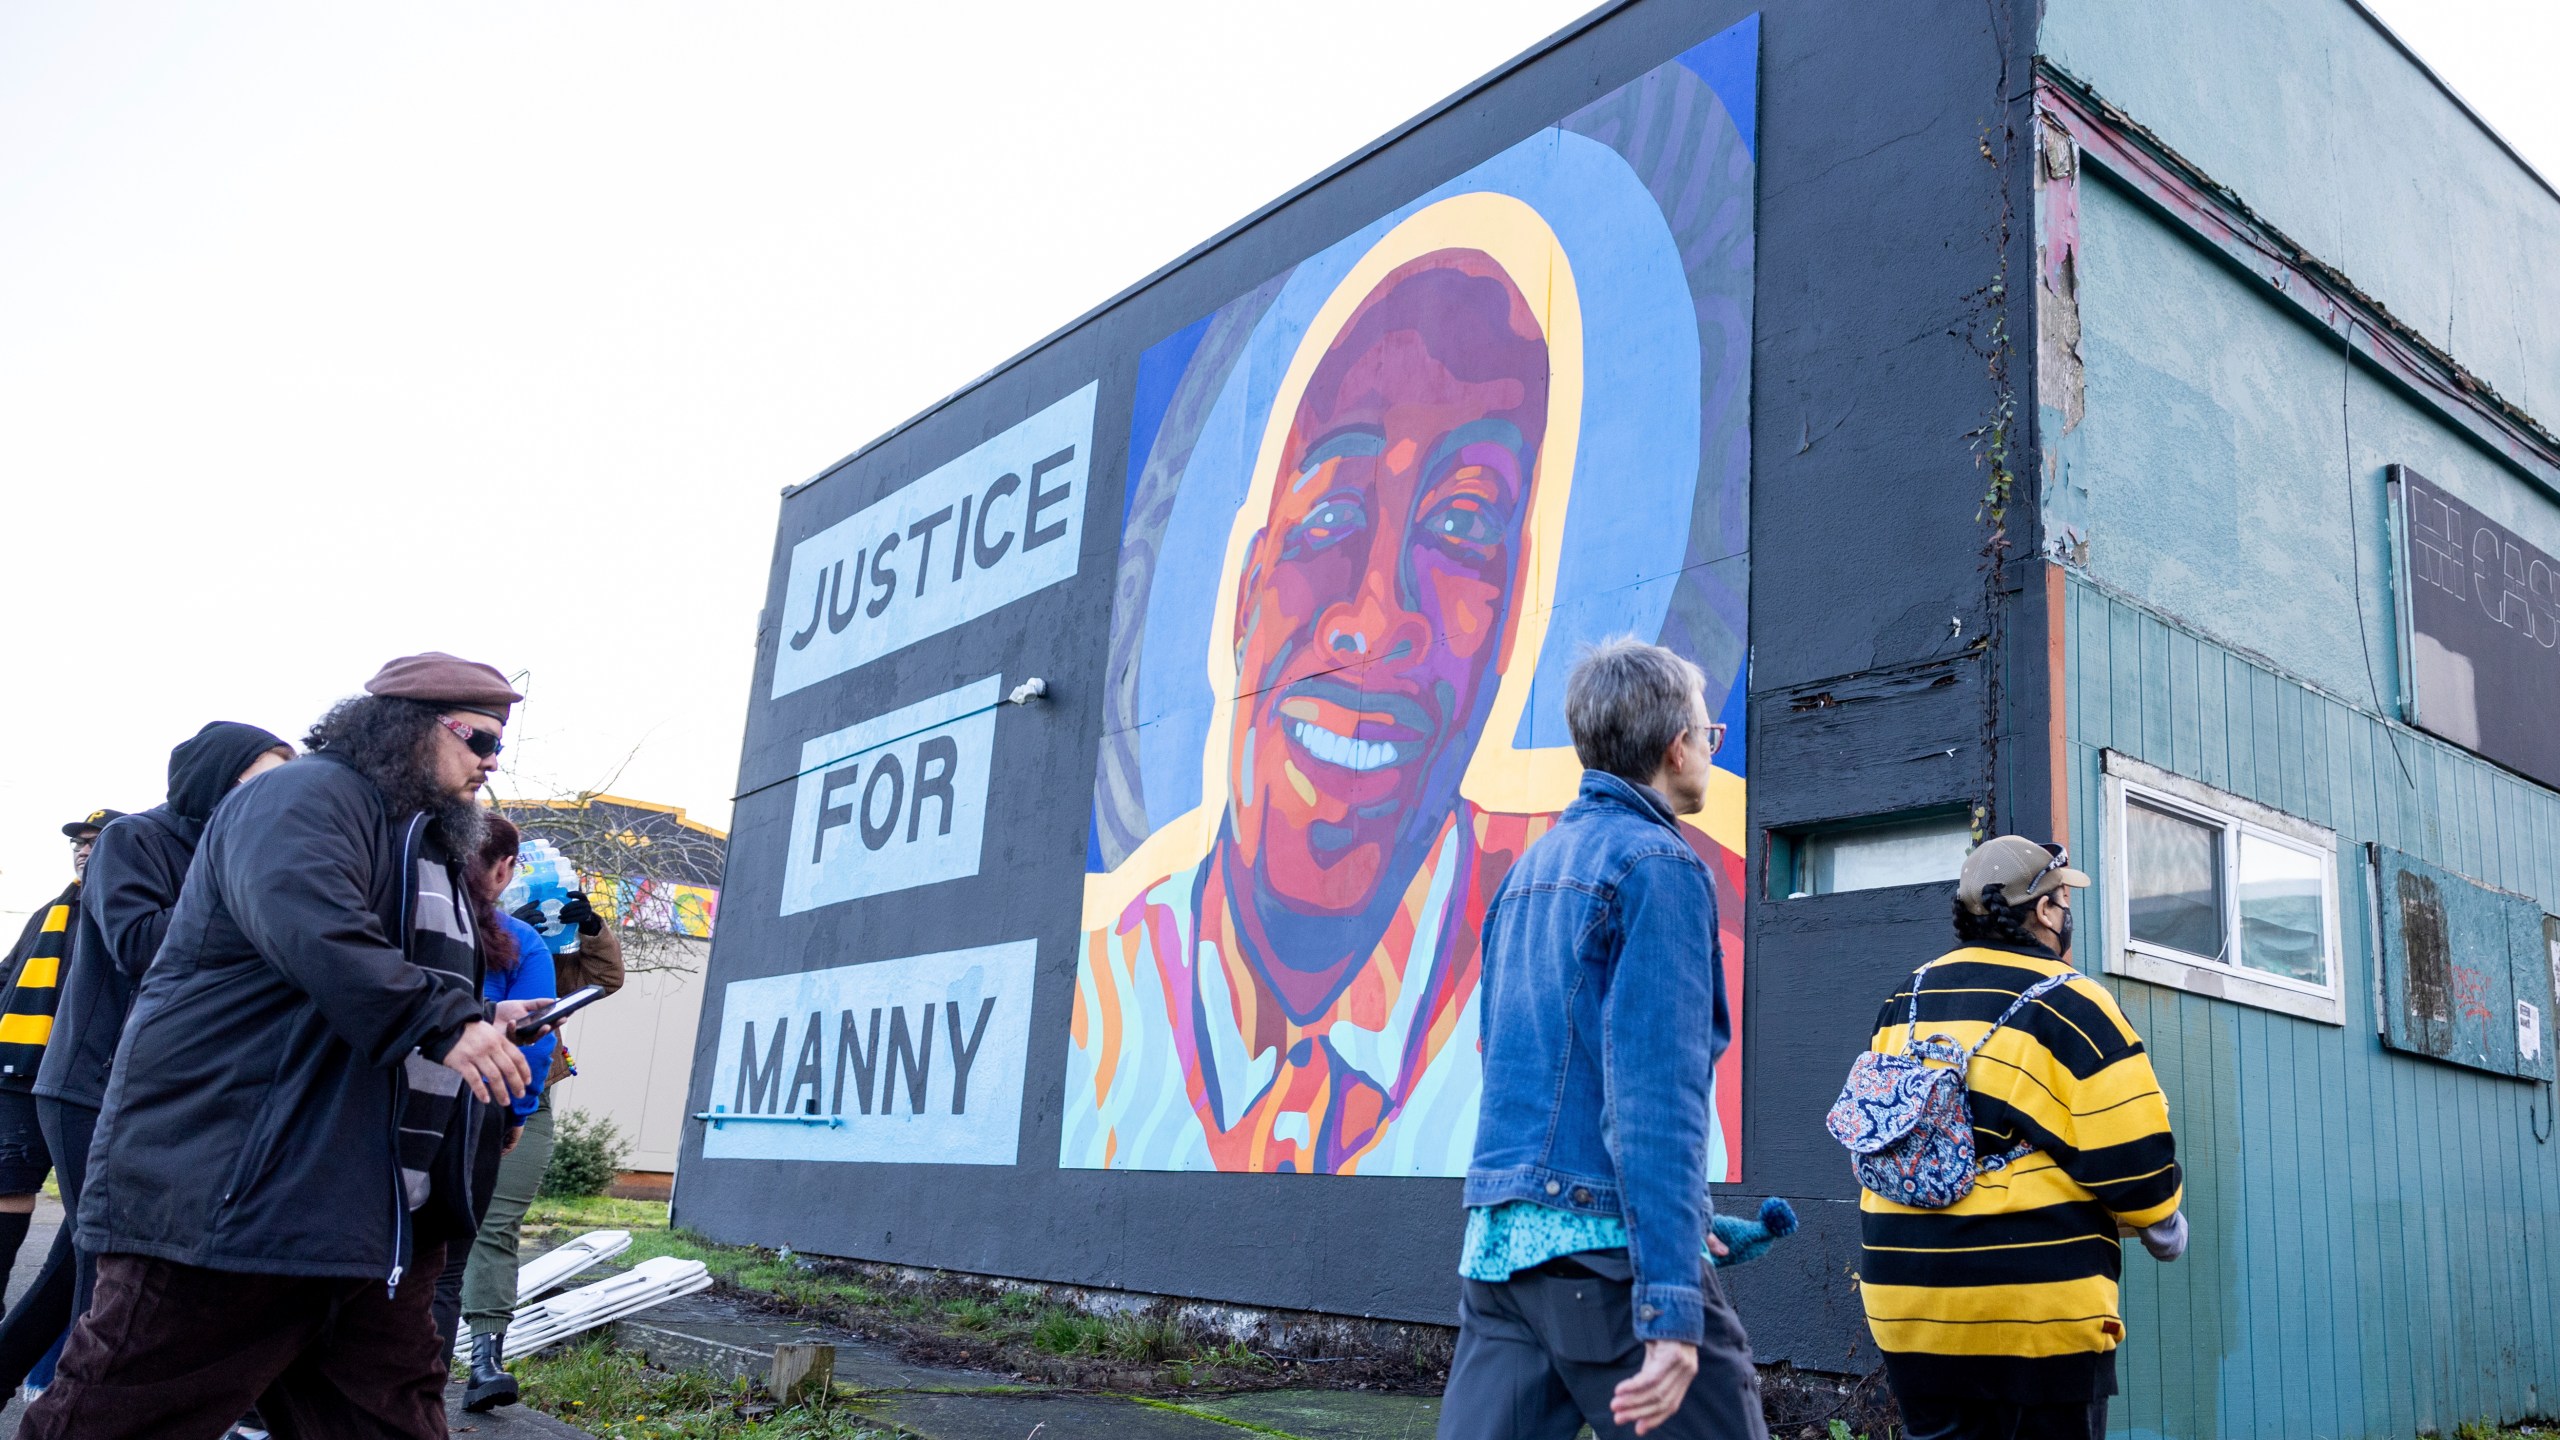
(531, 1027)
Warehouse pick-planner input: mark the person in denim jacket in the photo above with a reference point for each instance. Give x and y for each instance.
(1587, 1294)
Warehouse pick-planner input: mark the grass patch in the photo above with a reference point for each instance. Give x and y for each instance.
(613, 1395)
(972, 1314)
(947, 1321)
(2485, 1428)
(1214, 1417)
(1134, 1339)
(596, 1212)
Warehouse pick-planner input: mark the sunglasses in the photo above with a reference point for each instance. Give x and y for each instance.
(483, 743)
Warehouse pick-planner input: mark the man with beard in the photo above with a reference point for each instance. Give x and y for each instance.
(285, 1148)
(128, 891)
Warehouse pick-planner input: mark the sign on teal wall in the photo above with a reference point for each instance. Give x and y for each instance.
(2466, 970)
(2479, 629)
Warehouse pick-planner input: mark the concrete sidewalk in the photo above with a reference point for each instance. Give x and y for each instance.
(723, 1337)
(507, 1422)
(23, 1274)
(706, 1332)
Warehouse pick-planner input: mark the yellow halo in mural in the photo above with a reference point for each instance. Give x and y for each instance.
(1499, 776)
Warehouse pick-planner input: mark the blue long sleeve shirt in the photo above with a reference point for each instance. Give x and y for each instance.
(532, 979)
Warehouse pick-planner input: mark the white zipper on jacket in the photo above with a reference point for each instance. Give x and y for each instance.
(400, 1074)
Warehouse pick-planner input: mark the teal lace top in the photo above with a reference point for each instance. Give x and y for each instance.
(1523, 1234)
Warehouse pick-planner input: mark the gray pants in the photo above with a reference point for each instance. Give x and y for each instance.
(1539, 1355)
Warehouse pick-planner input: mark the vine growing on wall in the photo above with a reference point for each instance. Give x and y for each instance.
(1991, 336)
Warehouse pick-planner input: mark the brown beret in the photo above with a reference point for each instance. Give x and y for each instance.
(445, 680)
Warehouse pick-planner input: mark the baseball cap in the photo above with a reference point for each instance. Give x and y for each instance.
(96, 821)
(2024, 870)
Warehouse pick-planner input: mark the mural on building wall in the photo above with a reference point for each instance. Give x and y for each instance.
(646, 866)
(1374, 508)
(664, 905)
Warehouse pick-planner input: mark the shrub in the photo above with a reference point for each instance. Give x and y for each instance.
(586, 1157)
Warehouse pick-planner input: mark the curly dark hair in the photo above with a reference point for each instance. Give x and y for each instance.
(2000, 922)
(386, 739)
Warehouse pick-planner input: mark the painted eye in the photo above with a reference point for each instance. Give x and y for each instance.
(1465, 522)
(1330, 524)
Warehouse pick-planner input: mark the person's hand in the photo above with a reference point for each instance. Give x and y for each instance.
(1653, 1394)
(514, 1134)
(512, 1013)
(1716, 1245)
(530, 912)
(488, 1061)
(578, 910)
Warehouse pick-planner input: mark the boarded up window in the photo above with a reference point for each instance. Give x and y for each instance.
(2466, 969)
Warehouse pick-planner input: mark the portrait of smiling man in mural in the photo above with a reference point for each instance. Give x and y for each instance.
(1347, 574)
(1372, 620)
(1302, 955)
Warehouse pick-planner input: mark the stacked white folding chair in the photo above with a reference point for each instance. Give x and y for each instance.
(574, 1312)
(539, 1322)
(557, 1266)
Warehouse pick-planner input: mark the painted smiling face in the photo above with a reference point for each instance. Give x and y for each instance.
(1378, 599)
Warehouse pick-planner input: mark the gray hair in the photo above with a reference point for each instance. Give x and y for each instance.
(1626, 701)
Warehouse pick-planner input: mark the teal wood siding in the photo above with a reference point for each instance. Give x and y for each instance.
(2376, 1242)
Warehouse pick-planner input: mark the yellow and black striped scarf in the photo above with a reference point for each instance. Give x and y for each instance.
(2010, 1293)
(26, 1020)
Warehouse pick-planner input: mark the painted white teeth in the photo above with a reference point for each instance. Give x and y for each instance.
(1344, 750)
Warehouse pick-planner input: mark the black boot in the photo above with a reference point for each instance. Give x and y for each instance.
(490, 1386)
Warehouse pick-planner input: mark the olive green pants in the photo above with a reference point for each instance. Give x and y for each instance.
(489, 1283)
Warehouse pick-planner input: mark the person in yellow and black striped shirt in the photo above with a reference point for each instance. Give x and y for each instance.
(1997, 1315)
(29, 986)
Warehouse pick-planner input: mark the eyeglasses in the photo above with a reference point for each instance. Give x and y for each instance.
(1714, 730)
(483, 743)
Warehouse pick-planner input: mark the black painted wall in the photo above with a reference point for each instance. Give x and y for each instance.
(1879, 219)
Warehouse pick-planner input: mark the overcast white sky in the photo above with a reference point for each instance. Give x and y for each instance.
(332, 332)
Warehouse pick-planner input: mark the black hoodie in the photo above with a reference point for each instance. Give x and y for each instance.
(252, 1123)
(134, 877)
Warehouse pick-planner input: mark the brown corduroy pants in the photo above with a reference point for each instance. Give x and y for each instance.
(174, 1350)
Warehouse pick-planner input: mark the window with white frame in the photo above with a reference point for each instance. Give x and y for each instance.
(2213, 893)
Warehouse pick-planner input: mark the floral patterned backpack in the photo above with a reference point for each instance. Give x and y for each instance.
(1906, 1123)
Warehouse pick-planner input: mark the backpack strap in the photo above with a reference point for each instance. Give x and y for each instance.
(1911, 1021)
(2030, 994)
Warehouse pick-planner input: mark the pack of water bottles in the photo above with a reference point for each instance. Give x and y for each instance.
(544, 878)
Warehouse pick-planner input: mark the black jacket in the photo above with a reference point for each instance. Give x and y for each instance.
(252, 1116)
(124, 910)
(133, 880)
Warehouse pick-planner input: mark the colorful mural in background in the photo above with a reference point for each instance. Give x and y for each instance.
(1374, 508)
(660, 904)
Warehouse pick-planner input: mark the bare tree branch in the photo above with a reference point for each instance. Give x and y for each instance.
(653, 874)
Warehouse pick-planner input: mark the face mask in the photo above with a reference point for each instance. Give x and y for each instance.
(2063, 947)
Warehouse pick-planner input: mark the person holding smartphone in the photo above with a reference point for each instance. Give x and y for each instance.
(479, 1283)
(283, 1154)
